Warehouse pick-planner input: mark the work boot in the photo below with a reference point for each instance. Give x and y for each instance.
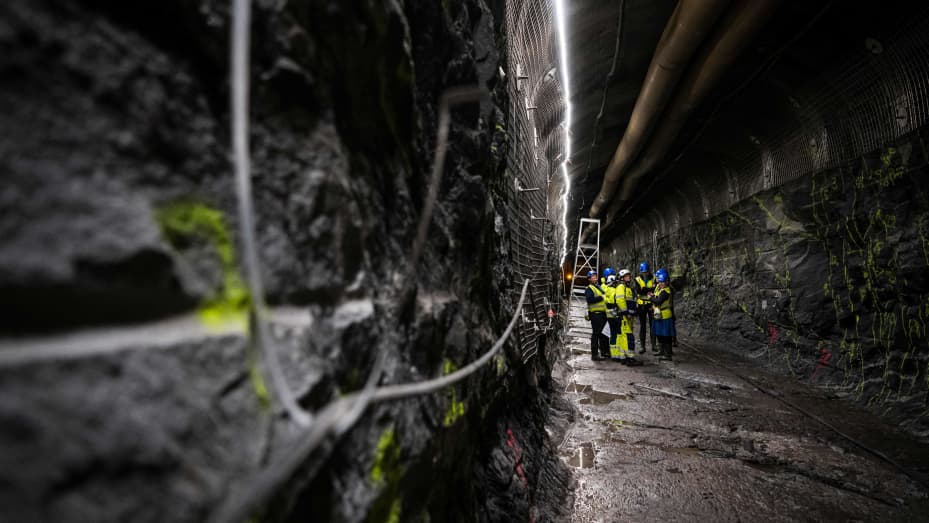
(632, 362)
(665, 352)
(594, 357)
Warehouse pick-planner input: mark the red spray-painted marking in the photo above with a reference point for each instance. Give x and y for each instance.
(518, 454)
(823, 361)
(772, 333)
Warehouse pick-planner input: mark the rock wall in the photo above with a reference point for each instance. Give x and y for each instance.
(128, 389)
(824, 278)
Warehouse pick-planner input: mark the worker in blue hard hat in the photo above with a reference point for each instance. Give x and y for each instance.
(663, 324)
(596, 313)
(644, 285)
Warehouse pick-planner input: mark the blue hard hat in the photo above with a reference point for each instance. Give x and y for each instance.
(643, 267)
(591, 274)
(661, 275)
(607, 271)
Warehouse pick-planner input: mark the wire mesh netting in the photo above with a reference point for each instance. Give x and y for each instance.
(534, 146)
(848, 110)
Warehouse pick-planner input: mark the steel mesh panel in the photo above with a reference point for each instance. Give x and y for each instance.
(535, 140)
(851, 109)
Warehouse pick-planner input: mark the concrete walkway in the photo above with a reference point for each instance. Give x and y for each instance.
(692, 441)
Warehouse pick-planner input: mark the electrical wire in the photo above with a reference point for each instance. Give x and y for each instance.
(449, 98)
(260, 337)
(617, 57)
(240, 504)
(339, 416)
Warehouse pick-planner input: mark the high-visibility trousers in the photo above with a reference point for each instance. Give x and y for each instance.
(622, 343)
(624, 347)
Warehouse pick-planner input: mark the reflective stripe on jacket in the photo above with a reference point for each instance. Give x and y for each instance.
(610, 292)
(598, 305)
(623, 296)
(665, 306)
(644, 285)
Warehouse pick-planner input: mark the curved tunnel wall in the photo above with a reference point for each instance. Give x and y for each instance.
(794, 227)
(534, 146)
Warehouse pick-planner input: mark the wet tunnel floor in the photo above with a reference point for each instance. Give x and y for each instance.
(691, 441)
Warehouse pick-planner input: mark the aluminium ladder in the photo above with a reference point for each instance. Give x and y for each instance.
(586, 259)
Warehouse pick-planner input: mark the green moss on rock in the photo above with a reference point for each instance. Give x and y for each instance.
(183, 223)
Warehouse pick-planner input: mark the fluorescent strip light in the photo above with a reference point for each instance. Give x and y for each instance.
(566, 89)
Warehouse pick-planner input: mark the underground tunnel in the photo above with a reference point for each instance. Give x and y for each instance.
(319, 260)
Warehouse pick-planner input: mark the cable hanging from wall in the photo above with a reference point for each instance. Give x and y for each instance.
(336, 418)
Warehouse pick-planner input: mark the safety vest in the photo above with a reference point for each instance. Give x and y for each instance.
(625, 299)
(600, 306)
(644, 284)
(665, 306)
(610, 292)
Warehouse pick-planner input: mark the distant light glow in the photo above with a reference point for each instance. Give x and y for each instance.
(566, 89)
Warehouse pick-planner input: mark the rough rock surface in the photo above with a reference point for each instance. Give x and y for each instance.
(118, 228)
(823, 278)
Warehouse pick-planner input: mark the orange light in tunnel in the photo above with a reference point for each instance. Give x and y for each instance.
(569, 276)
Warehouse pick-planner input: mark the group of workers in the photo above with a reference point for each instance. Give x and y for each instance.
(620, 299)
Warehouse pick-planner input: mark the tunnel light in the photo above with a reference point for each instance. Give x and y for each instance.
(566, 124)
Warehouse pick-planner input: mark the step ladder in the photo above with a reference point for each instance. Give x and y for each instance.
(586, 259)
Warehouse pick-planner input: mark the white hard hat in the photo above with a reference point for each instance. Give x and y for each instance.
(611, 278)
(624, 272)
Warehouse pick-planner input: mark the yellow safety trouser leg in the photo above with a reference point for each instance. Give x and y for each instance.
(622, 346)
(614, 349)
(628, 341)
(615, 334)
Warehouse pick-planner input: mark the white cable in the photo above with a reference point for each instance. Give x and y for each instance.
(240, 504)
(391, 392)
(340, 415)
(449, 98)
(260, 337)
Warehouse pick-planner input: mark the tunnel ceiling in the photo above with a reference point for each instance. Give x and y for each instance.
(601, 103)
(764, 94)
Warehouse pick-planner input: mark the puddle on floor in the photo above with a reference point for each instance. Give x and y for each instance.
(583, 457)
(682, 451)
(595, 397)
(575, 387)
